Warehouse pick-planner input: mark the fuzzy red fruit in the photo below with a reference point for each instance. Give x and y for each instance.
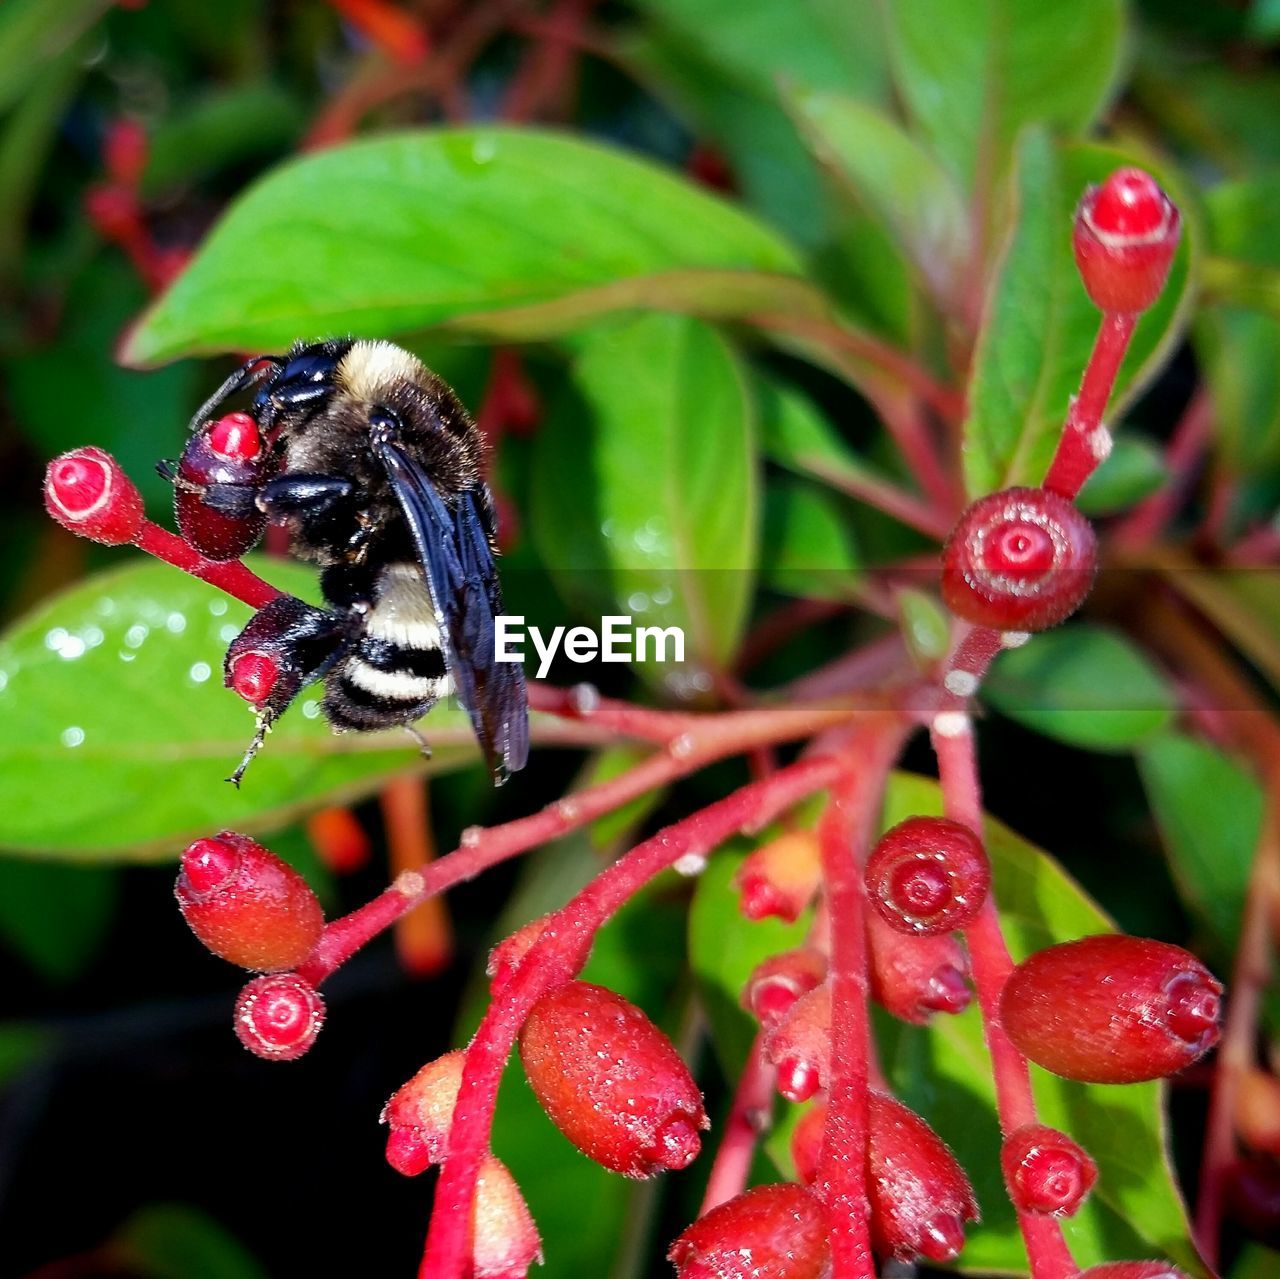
(928, 875)
(769, 1232)
(247, 905)
(279, 1016)
(611, 1081)
(217, 480)
(235, 438)
(806, 1142)
(920, 1196)
(800, 1046)
(1133, 1270)
(1112, 1009)
(504, 1240)
(1045, 1171)
(420, 1112)
(89, 495)
(780, 878)
(776, 983)
(914, 977)
(1126, 233)
(1019, 560)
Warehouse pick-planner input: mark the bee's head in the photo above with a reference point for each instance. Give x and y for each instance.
(302, 381)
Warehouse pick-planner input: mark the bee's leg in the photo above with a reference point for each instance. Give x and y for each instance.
(265, 720)
(423, 745)
(303, 496)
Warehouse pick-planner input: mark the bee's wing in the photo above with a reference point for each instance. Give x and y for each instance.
(465, 592)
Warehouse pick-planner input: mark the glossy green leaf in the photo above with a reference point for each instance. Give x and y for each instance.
(116, 733)
(1039, 325)
(35, 32)
(972, 75)
(175, 1241)
(1084, 685)
(1209, 810)
(943, 1072)
(807, 547)
(1134, 469)
(646, 488)
(440, 227)
(888, 172)
(55, 916)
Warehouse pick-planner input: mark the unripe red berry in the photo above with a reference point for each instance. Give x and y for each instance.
(1019, 560)
(89, 495)
(920, 1196)
(1126, 232)
(776, 983)
(768, 1232)
(504, 1240)
(780, 878)
(247, 905)
(913, 977)
(278, 1016)
(221, 469)
(420, 1114)
(611, 1081)
(253, 675)
(806, 1142)
(1045, 1171)
(928, 875)
(1133, 1270)
(1112, 1009)
(800, 1046)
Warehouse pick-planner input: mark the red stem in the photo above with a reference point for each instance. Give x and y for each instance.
(749, 1116)
(553, 960)
(231, 576)
(1084, 442)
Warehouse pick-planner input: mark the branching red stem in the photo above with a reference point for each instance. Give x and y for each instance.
(748, 1117)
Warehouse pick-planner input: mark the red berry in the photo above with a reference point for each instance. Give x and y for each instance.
(218, 477)
(89, 495)
(920, 1196)
(1112, 1009)
(806, 1142)
(235, 438)
(1019, 560)
(247, 905)
(928, 875)
(769, 1232)
(800, 1046)
(1126, 232)
(420, 1113)
(775, 985)
(1133, 1270)
(124, 151)
(611, 1081)
(252, 675)
(113, 211)
(1045, 1171)
(504, 1240)
(780, 877)
(279, 1016)
(915, 976)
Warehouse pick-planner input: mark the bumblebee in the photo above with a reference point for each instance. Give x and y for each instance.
(374, 466)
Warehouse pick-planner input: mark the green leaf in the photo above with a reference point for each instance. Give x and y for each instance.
(1083, 685)
(34, 33)
(1209, 810)
(1039, 325)
(116, 733)
(972, 75)
(926, 626)
(55, 916)
(440, 227)
(1256, 1262)
(807, 548)
(645, 484)
(1134, 469)
(889, 173)
(174, 1241)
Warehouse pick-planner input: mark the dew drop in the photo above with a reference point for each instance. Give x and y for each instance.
(227, 633)
(217, 608)
(638, 602)
(681, 747)
(470, 837)
(585, 698)
(484, 148)
(55, 639)
(72, 736)
(568, 809)
(690, 864)
(200, 672)
(4, 680)
(135, 635)
(310, 709)
(175, 623)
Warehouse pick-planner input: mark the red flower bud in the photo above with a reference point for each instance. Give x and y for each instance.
(1019, 560)
(89, 495)
(1045, 1171)
(420, 1113)
(1112, 1009)
(928, 875)
(504, 1240)
(1126, 232)
(800, 1046)
(776, 984)
(769, 1232)
(611, 1081)
(279, 1016)
(920, 1196)
(247, 905)
(913, 977)
(780, 877)
(505, 957)
(806, 1142)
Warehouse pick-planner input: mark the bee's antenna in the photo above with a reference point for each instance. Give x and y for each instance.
(260, 735)
(247, 374)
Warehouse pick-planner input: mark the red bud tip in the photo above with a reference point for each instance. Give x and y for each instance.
(279, 1016)
(1131, 206)
(928, 875)
(504, 1240)
(206, 863)
(89, 495)
(798, 1080)
(253, 675)
(946, 991)
(420, 1114)
(759, 899)
(235, 437)
(800, 1046)
(677, 1145)
(776, 983)
(941, 1237)
(914, 975)
(1046, 1171)
(407, 1153)
(780, 878)
(1195, 1006)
